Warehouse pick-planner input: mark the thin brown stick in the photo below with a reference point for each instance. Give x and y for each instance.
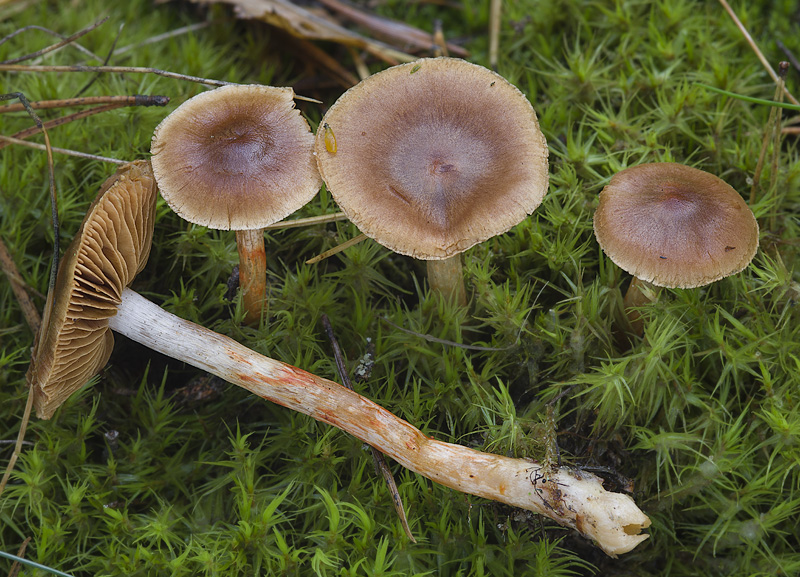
(62, 120)
(399, 33)
(16, 566)
(65, 151)
(755, 48)
(112, 69)
(81, 48)
(51, 172)
(377, 456)
(29, 310)
(20, 439)
(57, 45)
(337, 249)
(125, 100)
(105, 61)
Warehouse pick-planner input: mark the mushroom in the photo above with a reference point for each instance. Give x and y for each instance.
(432, 157)
(111, 247)
(90, 298)
(237, 158)
(672, 225)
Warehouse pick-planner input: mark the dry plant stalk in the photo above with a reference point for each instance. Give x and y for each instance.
(303, 23)
(756, 49)
(19, 288)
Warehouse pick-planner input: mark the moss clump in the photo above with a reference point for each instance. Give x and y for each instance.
(135, 476)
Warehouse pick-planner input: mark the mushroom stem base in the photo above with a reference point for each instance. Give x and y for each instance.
(572, 498)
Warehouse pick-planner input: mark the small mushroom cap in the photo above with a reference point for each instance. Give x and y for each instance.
(675, 226)
(432, 157)
(236, 158)
(111, 247)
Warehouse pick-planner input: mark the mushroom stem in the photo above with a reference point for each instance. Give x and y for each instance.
(252, 273)
(572, 498)
(639, 293)
(447, 277)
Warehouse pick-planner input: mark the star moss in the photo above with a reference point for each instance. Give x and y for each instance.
(158, 470)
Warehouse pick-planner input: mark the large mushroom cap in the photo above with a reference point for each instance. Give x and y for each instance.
(236, 158)
(675, 226)
(432, 157)
(111, 247)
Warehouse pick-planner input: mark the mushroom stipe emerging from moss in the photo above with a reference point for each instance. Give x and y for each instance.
(432, 157)
(572, 498)
(238, 158)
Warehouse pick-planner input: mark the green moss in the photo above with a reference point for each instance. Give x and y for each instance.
(133, 477)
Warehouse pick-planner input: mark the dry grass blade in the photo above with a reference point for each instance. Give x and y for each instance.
(57, 45)
(26, 415)
(158, 38)
(337, 249)
(755, 48)
(16, 566)
(311, 220)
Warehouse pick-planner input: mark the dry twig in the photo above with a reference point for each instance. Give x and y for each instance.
(755, 48)
(20, 289)
(377, 456)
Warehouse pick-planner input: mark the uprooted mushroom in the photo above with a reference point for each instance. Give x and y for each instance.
(91, 298)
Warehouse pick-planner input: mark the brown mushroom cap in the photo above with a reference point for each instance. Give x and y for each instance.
(675, 226)
(433, 156)
(236, 158)
(111, 247)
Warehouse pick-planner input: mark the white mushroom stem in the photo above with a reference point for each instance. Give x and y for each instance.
(252, 273)
(571, 498)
